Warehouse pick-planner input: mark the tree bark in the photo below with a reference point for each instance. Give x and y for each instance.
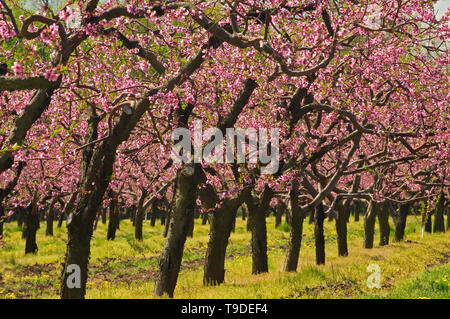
(221, 221)
(138, 219)
(439, 223)
(77, 254)
(50, 218)
(155, 213)
(311, 216)
(448, 217)
(113, 219)
(296, 230)
(279, 209)
(257, 209)
(428, 223)
(244, 211)
(30, 229)
(204, 218)
(2, 219)
(20, 216)
(383, 220)
(369, 224)
(400, 222)
(49, 222)
(104, 215)
(319, 238)
(183, 213)
(357, 209)
(342, 214)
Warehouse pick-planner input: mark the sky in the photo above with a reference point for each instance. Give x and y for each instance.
(441, 7)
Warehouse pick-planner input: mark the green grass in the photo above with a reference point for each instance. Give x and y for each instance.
(433, 283)
(126, 268)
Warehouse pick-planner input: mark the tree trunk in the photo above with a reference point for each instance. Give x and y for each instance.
(369, 224)
(296, 230)
(357, 210)
(183, 212)
(155, 214)
(132, 210)
(383, 220)
(113, 219)
(439, 223)
(311, 216)
(448, 217)
(163, 216)
(50, 218)
(279, 209)
(20, 216)
(400, 222)
(233, 223)
(257, 212)
(138, 220)
(428, 223)
(342, 214)
(319, 217)
(204, 218)
(222, 220)
(60, 219)
(76, 258)
(244, 211)
(31, 227)
(2, 219)
(330, 217)
(104, 215)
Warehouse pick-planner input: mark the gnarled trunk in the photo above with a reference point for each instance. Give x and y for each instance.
(448, 217)
(428, 227)
(357, 209)
(439, 224)
(49, 222)
(155, 214)
(180, 221)
(138, 220)
(258, 209)
(30, 229)
(2, 218)
(279, 209)
(75, 266)
(222, 221)
(311, 216)
(342, 215)
(383, 220)
(113, 219)
(296, 230)
(20, 216)
(369, 224)
(400, 221)
(319, 238)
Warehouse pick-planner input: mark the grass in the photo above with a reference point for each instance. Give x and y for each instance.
(126, 268)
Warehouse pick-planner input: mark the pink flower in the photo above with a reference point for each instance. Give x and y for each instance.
(54, 31)
(18, 69)
(51, 75)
